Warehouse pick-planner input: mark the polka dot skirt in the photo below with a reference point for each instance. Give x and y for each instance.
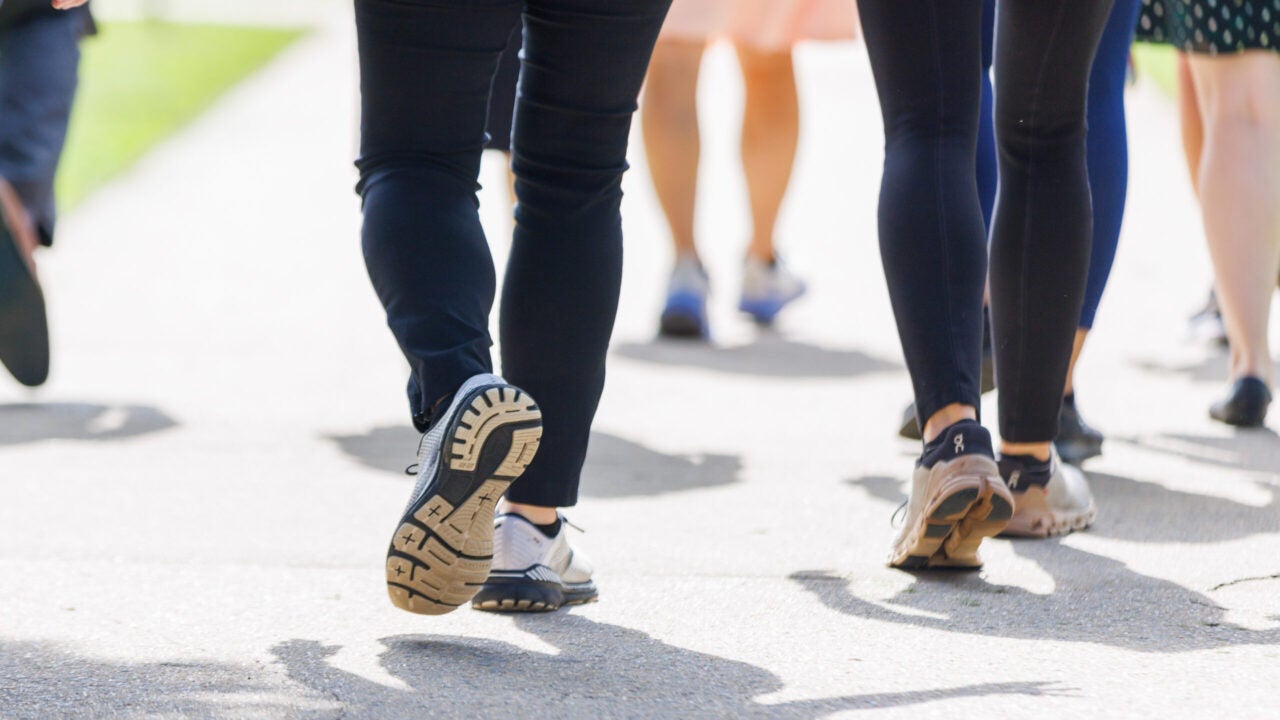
(1212, 26)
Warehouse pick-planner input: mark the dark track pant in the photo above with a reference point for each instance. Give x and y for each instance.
(39, 60)
(426, 70)
(927, 59)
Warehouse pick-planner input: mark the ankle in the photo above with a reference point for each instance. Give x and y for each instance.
(938, 422)
(536, 514)
(1039, 451)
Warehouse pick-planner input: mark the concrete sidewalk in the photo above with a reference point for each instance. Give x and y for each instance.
(194, 511)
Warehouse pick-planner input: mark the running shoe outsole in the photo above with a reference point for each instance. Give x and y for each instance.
(971, 507)
(442, 551)
(525, 595)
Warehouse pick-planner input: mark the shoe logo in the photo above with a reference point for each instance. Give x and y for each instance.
(1014, 478)
(958, 441)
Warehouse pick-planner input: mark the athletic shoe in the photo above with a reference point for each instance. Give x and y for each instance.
(685, 314)
(1076, 440)
(1207, 324)
(533, 572)
(957, 499)
(442, 551)
(24, 327)
(767, 288)
(1049, 498)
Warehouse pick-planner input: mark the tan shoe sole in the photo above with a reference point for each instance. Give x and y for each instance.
(442, 551)
(1034, 518)
(967, 502)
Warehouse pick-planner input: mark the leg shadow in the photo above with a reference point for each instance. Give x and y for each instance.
(600, 670)
(615, 467)
(31, 422)
(770, 356)
(42, 681)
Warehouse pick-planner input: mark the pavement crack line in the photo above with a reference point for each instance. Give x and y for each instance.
(1229, 583)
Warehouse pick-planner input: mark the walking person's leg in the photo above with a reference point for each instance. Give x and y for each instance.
(39, 62)
(669, 120)
(1107, 144)
(1239, 183)
(926, 57)
(770, 136)
(425, 74)
(1040, 242)
(585, 63)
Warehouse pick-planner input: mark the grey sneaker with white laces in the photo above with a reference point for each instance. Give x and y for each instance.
(533, 572)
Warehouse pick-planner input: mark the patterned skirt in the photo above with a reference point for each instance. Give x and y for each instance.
(1212, 26)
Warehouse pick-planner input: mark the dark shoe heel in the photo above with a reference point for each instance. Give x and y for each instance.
(1245, 406)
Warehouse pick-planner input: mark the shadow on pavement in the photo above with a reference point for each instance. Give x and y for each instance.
(1246, 449)
(1140, 511)
(600, 670)
(770, 356)
(31, 422)
(43, 681)
(1096, 600)
(618, 468)
(615, 467)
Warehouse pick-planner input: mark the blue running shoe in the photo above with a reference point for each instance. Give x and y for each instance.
(685, 314)
(767, 288)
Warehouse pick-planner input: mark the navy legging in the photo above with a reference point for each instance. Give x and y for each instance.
(926, 56)
(426, 71)
(1107, 144)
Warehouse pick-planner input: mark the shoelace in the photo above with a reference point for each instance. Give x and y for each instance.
(899, 515)
(568, 522)
(413, 469)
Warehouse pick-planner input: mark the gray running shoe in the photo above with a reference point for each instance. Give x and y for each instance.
(442, 550)
(1050, 503)
(533, 572)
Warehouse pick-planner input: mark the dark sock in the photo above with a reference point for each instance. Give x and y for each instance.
(438, 408)
(550, 530)
(1023, 471)
(966, 437)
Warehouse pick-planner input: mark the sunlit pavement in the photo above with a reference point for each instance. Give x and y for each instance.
(193, 512)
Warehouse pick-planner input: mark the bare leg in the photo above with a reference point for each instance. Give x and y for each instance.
(770, 135)
(1239, 184)
(1076, 349)
(669, 118)
(1192, 123)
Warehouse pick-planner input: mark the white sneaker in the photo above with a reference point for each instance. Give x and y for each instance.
(1042, 507)
(767, 288)
(533, 572)
(443, 548)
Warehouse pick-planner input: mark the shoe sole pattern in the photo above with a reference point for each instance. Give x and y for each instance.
(1034, 519)
(970, 505)
(532, 596)
(442, 551)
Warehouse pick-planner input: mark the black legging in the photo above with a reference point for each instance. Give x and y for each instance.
(927, 58)
(426, 68)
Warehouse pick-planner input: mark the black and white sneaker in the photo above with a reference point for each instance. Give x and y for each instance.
(443, 548)
(533, 572)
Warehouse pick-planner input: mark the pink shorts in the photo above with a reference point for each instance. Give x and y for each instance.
(762, 24)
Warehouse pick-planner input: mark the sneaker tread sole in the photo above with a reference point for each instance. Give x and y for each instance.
(968, 506)
(442, 550)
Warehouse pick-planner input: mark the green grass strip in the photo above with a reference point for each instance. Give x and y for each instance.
(141, 81)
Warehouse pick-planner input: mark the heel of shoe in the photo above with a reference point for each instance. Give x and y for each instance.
(1245, 406)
